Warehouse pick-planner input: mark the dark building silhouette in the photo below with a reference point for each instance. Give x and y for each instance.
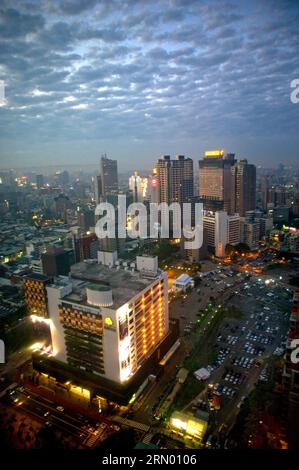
(39, 181)
(243, 187)
(109, 175)
(57, 261)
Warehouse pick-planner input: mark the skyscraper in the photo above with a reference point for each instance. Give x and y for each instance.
(98, 192)
(138, 185)
(243, 187)
(175, 178)
(39, 181)
(215, 180)
(109, 175)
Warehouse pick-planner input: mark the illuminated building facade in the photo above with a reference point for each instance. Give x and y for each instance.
(35, 292)
(221, 229)
(139, 186)
(215, 180)
(109, 317)
(188, 425)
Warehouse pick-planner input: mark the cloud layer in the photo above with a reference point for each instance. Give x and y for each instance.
(83, 77)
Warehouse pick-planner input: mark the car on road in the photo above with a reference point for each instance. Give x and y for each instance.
(60, 408)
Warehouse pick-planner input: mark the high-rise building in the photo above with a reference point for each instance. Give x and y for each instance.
(85, 246)
(153, 187)
(57, 261)
(175, 179)
(221, 229)
(215, 180)
(227, 231)
(138, 185)
(109, 324)
(39, 181)
(86, 218)
(291, 377)
(243, 187)
(98, 192)
(109, 176)
(253, 227)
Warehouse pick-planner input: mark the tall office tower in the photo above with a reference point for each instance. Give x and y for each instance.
(109, 324)
(280, 196)
(86, 218)
(175, 179)
(39, 181)
(138, 186)
(215, 180)
(221, 229)
(36, 294)
(98, 192)
(109, 176)
(57, 261)
(291, 377)
(153, 187)
(243, 187)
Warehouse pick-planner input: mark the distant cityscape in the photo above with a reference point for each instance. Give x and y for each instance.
(122, 329)
(149, 233)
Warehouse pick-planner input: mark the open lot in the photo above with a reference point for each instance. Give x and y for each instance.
(244, 347)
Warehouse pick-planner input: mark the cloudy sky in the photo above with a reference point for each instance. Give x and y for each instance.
(137, 79)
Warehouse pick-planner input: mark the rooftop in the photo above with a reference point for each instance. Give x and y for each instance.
(125, 284)
(37, 277)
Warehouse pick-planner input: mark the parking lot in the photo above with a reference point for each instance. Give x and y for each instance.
(245, 346)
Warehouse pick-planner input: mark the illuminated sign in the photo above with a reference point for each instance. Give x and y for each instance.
(214, 153)
(108, 322)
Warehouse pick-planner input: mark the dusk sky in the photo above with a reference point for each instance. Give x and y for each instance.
(137, 79)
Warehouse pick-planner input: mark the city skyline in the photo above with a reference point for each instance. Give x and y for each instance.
(149, 230)
(141, 80)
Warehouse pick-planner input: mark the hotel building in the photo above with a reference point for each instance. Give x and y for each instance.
(109, 324)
